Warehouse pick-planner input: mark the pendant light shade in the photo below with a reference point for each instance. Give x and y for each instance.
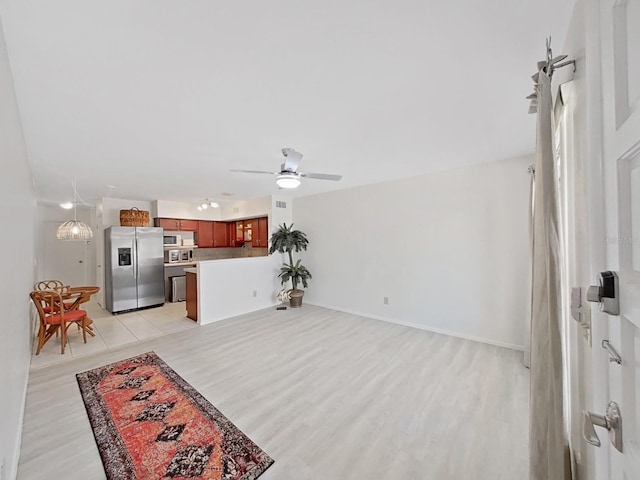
(73, 229)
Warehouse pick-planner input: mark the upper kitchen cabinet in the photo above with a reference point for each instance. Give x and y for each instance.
(236, 237)
(213, 234)
(220, 234)
(256, 231)
(205, 234)
(189, 225)
(247, 230)
(261, 234)
(239, 231)
(176, 224)
(167, 223)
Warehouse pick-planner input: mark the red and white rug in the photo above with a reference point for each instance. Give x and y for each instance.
(149, 423)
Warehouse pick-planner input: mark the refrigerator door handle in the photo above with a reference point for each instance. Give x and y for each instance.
(135, 259)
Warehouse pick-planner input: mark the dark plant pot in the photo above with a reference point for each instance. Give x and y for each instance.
(295, 298)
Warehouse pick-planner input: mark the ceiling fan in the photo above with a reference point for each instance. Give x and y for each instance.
(288, 176)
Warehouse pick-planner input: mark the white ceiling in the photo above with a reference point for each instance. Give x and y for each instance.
(161, 98)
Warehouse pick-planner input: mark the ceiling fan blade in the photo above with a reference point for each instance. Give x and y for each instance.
(252, 171)
(292, 159)
(321, 176)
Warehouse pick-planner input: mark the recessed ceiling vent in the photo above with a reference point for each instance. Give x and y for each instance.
(281, 204)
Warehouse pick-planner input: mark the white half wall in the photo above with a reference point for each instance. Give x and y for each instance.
(226, 288)
(449, 250)
(18, 215)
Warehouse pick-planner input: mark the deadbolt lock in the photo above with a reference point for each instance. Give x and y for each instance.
(606, 293)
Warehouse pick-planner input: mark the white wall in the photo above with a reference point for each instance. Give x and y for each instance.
(108, 214)
(62, 266)
(254, 207)
(450, 250)
(226, 287)
(167, 209)
(17, 210)
(111, 210)
(280, 215)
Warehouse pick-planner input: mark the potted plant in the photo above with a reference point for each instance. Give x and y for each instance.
(287, 240)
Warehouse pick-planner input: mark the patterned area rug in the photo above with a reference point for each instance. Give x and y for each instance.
(149, 423)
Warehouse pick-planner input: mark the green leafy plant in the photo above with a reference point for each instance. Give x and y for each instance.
(297, 273)
(287, 240)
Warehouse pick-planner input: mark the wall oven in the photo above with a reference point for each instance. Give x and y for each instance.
(178, 255)
(172, 256)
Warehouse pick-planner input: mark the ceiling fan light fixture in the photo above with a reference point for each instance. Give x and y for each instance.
(288, 180)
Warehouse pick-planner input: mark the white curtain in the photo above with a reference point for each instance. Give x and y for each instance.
(549, 459)
(527, 331)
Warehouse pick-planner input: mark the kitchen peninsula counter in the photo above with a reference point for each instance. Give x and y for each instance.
(225, 288)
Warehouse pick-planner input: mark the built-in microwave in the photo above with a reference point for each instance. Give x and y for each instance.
(172, 240)
(173, 256)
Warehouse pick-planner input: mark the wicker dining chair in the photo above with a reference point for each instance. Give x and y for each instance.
(54, 317)
(48, 285)
(72, 297)
(81, 295)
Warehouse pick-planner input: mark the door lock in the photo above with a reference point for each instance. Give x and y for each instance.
(606, 293)
(611, 421)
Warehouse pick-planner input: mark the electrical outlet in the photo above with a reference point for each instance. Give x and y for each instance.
(255, 293)
(386, 300)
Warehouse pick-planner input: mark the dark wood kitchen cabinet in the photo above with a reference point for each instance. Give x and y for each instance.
(205, 234)
(192, 296)
(256, 231)
(239, 232)
(189, 225)
(247, 229)
(262, 234)
(220, 234)
(176, 224)
(235, 239)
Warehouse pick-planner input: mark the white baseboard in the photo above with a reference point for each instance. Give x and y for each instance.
(488, 341)
(16, 449)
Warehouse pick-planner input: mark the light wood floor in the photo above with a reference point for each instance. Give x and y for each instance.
(326, 394)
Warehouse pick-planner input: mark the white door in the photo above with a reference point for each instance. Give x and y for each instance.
(620, 50)
(63, 260)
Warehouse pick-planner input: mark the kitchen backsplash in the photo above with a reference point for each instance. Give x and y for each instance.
(201, 254)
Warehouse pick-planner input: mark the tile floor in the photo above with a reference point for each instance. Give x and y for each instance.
(113, 331)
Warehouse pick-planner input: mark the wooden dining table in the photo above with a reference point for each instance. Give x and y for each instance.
(73, 297)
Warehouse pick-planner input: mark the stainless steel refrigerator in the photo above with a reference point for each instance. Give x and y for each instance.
(134, 268)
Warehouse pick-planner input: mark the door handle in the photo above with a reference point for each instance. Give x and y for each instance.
(611, 421)
(613, 355)
(606, 293)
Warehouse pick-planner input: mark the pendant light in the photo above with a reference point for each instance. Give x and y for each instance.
(73, 229)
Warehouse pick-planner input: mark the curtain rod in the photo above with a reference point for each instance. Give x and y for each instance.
(549, 65)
